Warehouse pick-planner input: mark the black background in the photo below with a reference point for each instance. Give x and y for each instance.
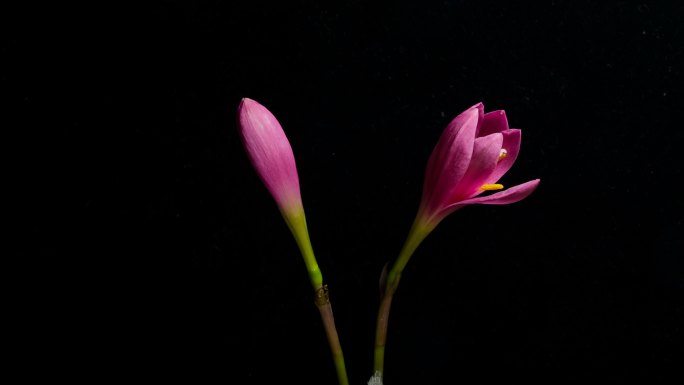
(149, 250)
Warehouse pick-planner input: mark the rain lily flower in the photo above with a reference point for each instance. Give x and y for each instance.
(271, 155)
(472, 154)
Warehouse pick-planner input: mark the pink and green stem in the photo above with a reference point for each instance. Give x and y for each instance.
(296, 221)
(419, 231)
(324, 307)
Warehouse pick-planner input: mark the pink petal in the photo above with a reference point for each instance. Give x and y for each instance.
(480, 117)
(270, 152)
(492, 122)
(483, 162)
(510, 195)
(511, 143)
(450, 158)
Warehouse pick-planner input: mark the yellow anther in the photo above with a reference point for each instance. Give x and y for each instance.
(502, 154)
(490, 187)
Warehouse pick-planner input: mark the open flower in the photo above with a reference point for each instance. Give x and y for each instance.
(271, 155)
(473, 153)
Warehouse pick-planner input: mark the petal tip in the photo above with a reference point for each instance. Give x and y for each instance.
(247, 102)
(244, 102)
(250, 106)
(473, 112)
(531, 185)
(479, 106)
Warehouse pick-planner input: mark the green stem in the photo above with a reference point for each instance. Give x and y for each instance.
(296, 221)
(324, 307)
(417, 234)
(381, 332)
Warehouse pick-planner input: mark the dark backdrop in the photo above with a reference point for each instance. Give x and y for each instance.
(149, 250)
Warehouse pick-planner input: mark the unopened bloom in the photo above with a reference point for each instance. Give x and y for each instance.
(271, 155)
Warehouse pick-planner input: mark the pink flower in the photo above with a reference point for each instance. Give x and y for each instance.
(270, 153)
(473, 153)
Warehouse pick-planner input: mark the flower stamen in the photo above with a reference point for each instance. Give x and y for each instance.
(491, 187)
(502, 154)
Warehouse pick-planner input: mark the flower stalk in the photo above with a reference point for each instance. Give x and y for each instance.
(417, 234)
(324, 307)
